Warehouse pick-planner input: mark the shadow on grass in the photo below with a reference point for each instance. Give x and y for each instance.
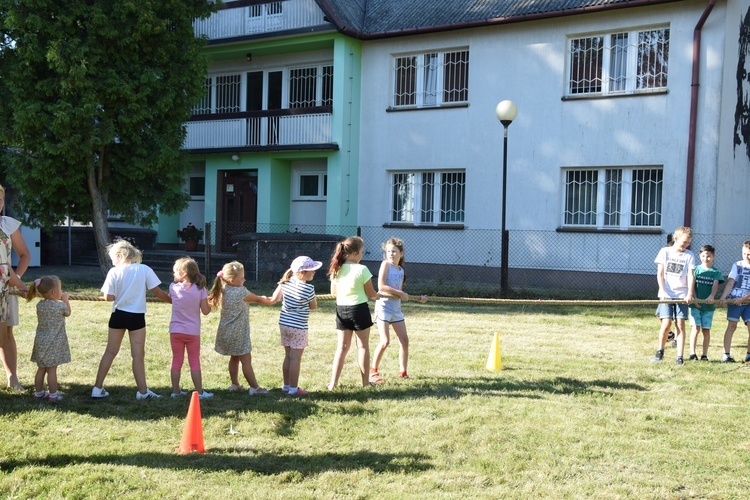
(287, 411)
(241, 460)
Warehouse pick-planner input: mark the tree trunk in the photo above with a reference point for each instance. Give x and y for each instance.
(99, 221)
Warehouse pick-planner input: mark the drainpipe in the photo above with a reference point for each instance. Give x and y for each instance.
(694, 113)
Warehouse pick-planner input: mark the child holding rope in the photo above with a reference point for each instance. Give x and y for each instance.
(189, 300)
(233, 335)
(125, 286)
(707, 280)
(298, 297)
(351, 284)
(51, 341)
(737, 291)
(391, 279)
(675, 266)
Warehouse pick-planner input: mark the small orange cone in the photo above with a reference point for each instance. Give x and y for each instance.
(494, 363)
(192, 436)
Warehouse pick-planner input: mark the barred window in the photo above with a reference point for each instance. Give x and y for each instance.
(428, 197)
(619, 63)
(227, 89)
(613, 197)
(431, 79)
(204, 105)
(269, 9)
(310, 86)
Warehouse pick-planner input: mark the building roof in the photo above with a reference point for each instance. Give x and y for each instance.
(369, 19)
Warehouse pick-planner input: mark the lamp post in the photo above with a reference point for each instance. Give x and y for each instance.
(506, 112)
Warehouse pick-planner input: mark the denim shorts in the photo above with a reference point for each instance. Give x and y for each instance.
(734, 313)
(672, 311)
(701, 318)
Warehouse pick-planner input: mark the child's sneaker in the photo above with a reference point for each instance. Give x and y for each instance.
(658, 356)
(149, 395)
(680, 361)
(298, 392)
(178, 394)
(55, 397)
(257, 390)
(97, 393)
(41, 395)
(704, 358)
(727, 358)
(205, 395)
(747, 358)
(693, 357)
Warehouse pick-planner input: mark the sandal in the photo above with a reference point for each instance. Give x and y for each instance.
(404, 375)
(235, 388)
(375, 377)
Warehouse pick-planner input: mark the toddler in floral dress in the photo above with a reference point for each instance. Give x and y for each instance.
(233, 334)
(51, 342)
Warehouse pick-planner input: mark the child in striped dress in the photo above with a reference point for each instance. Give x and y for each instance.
(298, 297)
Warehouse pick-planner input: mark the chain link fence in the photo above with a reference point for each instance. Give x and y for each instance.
(467, 262)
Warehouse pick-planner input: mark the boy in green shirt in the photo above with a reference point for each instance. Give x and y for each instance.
(707, 281)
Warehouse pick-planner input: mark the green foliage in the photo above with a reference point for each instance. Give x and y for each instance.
(95, 94)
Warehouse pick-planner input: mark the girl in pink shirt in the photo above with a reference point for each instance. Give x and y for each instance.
(189, 300)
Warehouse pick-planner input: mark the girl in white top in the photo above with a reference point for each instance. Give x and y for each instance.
(125, 286)
(391, 279)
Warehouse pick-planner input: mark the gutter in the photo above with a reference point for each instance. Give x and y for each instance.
(692, 131)
(420, 30)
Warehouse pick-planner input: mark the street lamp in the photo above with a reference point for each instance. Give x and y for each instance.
(506, 112)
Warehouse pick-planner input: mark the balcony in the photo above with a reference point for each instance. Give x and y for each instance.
(241, 20)
(297, 129)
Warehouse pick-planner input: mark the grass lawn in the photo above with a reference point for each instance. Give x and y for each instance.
(577, 411)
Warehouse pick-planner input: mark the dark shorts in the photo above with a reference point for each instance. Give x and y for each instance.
(122, 320)
(355, 318)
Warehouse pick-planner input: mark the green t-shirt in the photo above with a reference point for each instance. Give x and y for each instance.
(704, 283)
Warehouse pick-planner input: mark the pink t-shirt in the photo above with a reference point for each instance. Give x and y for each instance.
(186, 308)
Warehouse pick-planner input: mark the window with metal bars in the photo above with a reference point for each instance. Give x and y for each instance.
(626, 62)
(431, 79)
(621, 198)
(268, 9)
(428, 197)
(310, 86)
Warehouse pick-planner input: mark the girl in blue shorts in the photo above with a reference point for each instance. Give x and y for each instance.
(391, 279)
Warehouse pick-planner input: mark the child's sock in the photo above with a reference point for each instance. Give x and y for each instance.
(285, 388)
(293, 390)
(39, 394)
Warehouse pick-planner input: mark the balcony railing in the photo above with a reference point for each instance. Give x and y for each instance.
(286, 127)
(244, 20)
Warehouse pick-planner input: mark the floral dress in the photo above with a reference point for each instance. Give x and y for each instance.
(233, 335)
(8, 226)
(51, 342)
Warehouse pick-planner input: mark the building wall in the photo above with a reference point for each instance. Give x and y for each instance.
(526, 63)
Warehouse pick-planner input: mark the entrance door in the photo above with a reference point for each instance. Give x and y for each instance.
(239, 205)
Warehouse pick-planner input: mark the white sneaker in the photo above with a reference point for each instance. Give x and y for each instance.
(179, 394)
(99, 393)
(148, 395)
(206, 395)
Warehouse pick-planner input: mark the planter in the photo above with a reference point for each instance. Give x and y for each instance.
(191, 245)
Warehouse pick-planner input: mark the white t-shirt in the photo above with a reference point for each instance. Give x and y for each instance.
(129, 283)
(740, 273)
(677, 265)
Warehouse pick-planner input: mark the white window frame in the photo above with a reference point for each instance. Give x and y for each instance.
(429, 91)
(620, 72)
(414, 208)
(603, 197)
(322, 185)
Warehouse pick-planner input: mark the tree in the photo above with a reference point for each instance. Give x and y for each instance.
(94, 95)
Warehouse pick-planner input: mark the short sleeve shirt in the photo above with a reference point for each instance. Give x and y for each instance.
(704, 283)
(740, 273)
(128, 283)
(350, 284)
(677, 265)
(186, 308)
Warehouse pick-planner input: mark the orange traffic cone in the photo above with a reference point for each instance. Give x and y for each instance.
(494, 362)
(192, 436)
